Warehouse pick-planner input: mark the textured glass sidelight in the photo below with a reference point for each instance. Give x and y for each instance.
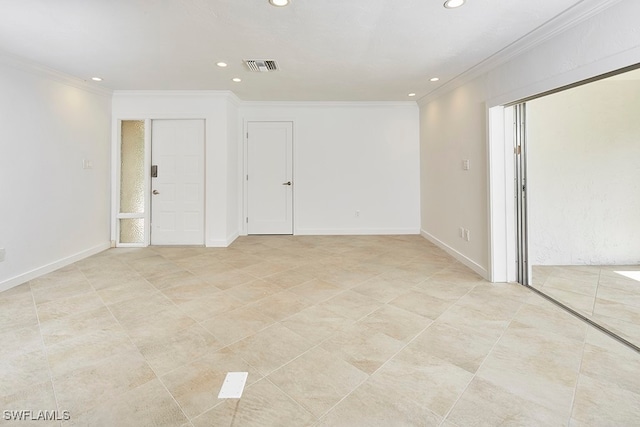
(132, 230)
(132, 166)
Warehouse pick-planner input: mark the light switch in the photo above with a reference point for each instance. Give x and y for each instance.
(87, 164)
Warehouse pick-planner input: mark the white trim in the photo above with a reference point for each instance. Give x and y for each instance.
(358, 104)
(116, 129)
(459, 256)
(502, 238)
(356, 231)
(606, 65)
(48, 268)
(232, 238)
(496, 156)
(52, 74)
(571, 17)
(138, 115)
(148, 134)
(237, 102)
(219, 243)
(174, 93)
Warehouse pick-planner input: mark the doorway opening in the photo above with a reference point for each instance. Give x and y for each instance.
(576, 199)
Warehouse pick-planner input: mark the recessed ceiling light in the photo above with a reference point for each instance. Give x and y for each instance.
(452, 4)
(279, 3)
(96, 79)
(434, 79)
(237, 80)
(221, 64)
(412, 94)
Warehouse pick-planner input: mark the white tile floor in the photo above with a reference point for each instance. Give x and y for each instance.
(333, 331)
(609, 295)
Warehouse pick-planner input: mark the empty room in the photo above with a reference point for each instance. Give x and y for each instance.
(298, 213)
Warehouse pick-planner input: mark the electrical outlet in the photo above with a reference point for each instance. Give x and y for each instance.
(3, 252)
(465, 165)
(357, 214)
(467, 235)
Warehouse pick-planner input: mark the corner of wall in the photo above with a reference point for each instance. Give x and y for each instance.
(482, 271)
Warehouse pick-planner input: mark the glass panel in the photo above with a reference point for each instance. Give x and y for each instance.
(132, 230)
(132, 167)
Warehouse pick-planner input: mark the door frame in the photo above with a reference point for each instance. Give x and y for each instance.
(508, 227)
(244, 230)
(501, 165)
(115, 174)
(502, 194)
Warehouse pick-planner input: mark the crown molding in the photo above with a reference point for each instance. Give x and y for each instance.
(234, 99)
(329, 104)
(571, 17)
(183, 93)
(52, 74)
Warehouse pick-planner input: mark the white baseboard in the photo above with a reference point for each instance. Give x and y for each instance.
(223, 243)
(30, 275)
(355, 231)
(482, 271)
(232, 238)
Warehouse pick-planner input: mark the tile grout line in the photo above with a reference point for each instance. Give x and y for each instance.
(322, 341)
(575, 388)
(220, 403)
(157, 377)
(475, 374)
(387, 361)
(370, 375)
(318, 345)
(138, 351)
(595, 297)
(46, 350)
(199, 322)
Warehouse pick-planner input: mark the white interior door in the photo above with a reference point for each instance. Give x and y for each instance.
(270, 177)
(177, 199)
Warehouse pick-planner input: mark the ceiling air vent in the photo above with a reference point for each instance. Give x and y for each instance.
(261, 65)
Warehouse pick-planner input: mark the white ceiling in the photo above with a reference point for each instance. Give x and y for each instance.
(336, 50)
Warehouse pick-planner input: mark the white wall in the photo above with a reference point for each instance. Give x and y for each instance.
(453, 129)
(453, 120)
(219, 115)
(349, 157)
(52, 211)
(584, 175)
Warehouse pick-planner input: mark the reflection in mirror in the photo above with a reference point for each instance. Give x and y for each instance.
(583, 146)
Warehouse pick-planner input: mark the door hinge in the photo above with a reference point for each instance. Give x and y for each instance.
(247, 220)
(518, 150)
(247, 135)
(247, 177)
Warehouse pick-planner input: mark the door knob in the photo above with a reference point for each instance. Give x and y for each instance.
(286, 183)
(156, 192)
